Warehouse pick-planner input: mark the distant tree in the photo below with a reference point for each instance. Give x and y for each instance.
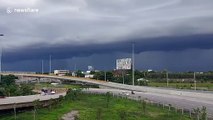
(92, 72)
(143, 82)
(8, 80)
(2, 92)
(8, 87)
(99, 75)
(79, 73)
(26, 89)
(109, 76)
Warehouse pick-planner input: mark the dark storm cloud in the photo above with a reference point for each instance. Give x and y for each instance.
(39, 51)
(71, 29)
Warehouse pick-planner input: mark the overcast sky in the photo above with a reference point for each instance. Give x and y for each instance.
(168, 34)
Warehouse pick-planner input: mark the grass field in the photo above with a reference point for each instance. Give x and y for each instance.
(201, 86)
(89, 105)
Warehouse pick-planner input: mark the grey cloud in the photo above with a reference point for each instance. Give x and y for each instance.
(93, 21)
(88, 28)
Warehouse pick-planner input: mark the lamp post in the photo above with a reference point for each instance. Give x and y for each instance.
(133, 64)
(105, 75)
(0, 57)
(42, 66)
(195, 82)
(50, 64)
(167, 79)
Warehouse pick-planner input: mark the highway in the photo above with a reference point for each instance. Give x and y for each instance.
(180, 98)
(177, 92)
(180, 102)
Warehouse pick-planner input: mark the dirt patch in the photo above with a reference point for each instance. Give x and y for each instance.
(73, 115)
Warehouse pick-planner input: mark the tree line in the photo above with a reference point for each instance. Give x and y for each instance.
(155, 76)
(8, 87)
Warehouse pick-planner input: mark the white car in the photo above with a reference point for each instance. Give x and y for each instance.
(52, 92)
(125, 93)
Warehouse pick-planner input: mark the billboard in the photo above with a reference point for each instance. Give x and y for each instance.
(123, 64)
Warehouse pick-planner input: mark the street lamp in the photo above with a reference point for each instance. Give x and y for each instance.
(167, 78)
(195, 84)
(50, 64)
(0, 58)
(133, 64)
(42, 66)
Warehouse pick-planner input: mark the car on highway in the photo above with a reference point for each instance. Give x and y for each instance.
(125, 93)
(132, 92)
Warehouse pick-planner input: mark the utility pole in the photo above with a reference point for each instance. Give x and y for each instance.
(75, 70)
(75, 67)
(133, 64)
(195, 82)
(42, 66)
(105, 76)
(1, 58)
(50, 64)
(167, 79)
(123, 75)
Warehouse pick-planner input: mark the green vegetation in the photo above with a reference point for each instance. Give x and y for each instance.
(201, 86)
(62, 87)
(200, 114)
(79, 73)
(8, 87)
(92, 107)
(182, 80)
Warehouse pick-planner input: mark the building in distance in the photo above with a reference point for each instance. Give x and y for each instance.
(61, 72)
